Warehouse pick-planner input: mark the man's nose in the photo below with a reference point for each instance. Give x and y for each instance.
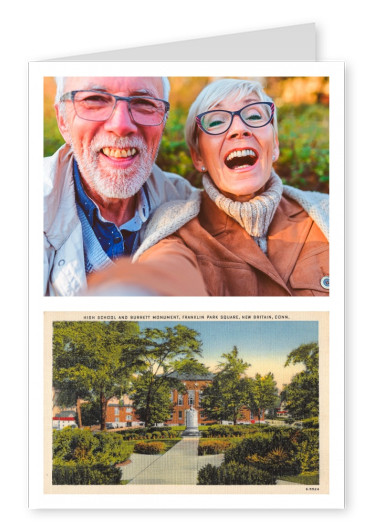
(120, 121)
(238, 128)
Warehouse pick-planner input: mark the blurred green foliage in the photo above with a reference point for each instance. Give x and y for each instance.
(52, 137)
(304, 146)
(303, 141)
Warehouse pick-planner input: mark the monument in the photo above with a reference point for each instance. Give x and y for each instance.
(191, 422)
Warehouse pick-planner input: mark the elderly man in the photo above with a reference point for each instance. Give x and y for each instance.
(102, 186)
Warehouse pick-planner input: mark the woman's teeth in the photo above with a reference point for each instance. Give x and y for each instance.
(241, 158)
(241, 153)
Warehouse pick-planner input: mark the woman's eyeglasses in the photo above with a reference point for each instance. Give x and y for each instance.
(254, 115)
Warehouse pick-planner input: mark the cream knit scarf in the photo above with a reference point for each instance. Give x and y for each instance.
(255, 215)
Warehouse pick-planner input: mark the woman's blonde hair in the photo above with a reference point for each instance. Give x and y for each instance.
(216, 92)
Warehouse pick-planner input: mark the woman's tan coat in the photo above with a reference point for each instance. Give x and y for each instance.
(213, 255)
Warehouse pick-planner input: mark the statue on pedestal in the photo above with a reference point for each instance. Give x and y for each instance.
(191, 422)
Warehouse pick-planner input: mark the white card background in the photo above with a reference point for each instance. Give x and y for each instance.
(38, 30)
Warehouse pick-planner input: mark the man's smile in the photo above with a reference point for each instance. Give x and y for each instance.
(117, 153)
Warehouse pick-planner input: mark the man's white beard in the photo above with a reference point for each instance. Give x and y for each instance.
(115, 183)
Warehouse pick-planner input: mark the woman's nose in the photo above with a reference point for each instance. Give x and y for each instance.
(238, 128)
(120, 121)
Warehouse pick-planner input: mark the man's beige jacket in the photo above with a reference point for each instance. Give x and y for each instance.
(64, 264)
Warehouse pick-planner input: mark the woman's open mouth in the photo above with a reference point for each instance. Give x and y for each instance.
(241, 158)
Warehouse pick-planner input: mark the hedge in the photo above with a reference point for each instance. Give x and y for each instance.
(229, 431)
(233, 474)
(86, 475)
(213, 447)
(149, 448)
(136, 434)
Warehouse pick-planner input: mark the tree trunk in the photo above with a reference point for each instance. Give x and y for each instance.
(78, 409)
(103, 402)
(148, 407)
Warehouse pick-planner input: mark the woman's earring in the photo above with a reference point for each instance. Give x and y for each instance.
(203, 168)
(273, 158)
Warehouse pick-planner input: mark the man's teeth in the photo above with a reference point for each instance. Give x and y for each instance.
(119, 153)
(241, 153)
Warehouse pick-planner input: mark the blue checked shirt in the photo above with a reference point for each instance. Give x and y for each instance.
(115, 241)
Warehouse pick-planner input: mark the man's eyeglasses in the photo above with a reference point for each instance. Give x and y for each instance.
(253, 115)
(98, 106)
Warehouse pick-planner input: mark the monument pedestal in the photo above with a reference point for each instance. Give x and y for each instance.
(191, 423)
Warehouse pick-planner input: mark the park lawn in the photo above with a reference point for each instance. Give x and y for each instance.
(303, 479)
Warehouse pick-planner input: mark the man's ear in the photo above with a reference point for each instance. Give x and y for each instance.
(197, 160)
(62, 125)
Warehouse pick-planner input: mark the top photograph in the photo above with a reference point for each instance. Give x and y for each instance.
(186, 186)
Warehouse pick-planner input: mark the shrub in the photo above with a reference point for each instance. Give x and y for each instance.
(213, 447)
(308, 451)
(275, 452)
(111, 449)
(74, 474)
(311, 423)
(75, 446)
(149, 448)
(233, 474)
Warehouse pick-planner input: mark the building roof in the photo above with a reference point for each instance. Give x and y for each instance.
(191, 377)
(66, 413)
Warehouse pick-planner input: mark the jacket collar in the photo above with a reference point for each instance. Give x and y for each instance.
(60, 214)
(287, 234)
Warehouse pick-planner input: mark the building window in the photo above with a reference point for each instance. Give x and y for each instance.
(180, 415)
(180, 400)
(129, 410)
(129, 417)
(116, 411)
(191, 398)
(199, 398)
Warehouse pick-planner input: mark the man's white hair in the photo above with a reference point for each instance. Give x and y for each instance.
(213, 94)
(60, 85)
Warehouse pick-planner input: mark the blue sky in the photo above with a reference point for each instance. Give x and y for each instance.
(264, 344)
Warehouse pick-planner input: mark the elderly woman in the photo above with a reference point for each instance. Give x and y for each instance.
(247, 234)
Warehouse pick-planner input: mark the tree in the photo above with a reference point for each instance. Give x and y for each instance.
(228, 394)
(94, 360)
(164, 354)
(302, 394)
(263, 393)
(159, 407)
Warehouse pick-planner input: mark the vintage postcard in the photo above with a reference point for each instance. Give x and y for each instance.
(186, 403)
